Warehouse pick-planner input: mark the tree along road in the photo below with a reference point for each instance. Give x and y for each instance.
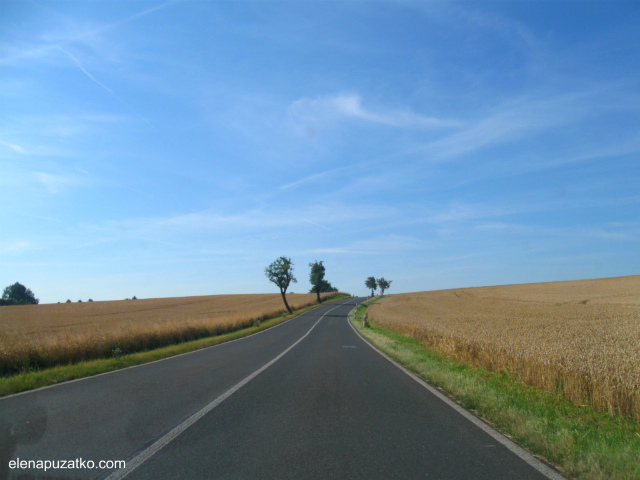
(308, 399)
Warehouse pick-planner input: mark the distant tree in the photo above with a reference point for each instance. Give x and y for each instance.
(68, 301)
(280, 272)
(371, 284)
(327, 287)
(384, 284)
(18, 294)
(316, 277)
(90, 300)
(79, 301)
(134, 298)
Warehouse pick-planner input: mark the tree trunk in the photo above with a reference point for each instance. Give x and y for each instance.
(284, 299)
(318, 294)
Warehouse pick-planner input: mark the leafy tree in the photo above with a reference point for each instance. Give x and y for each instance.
(384, 284)
(371, 284)
(316, 277)
(18, 294)
(280, 272)
(326, 286)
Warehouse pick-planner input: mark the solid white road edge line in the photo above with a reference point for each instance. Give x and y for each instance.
(535, 462)
(146, 454)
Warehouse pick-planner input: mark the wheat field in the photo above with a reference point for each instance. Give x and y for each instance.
(37, 336)
(579, 338)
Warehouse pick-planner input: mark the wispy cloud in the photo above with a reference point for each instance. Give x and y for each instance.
(349, 106)
(264, 220)
(13, 146)
(313, 178)
(71, 34)
(375, 246)
(15, 246)
(57, 183)
(512, 121)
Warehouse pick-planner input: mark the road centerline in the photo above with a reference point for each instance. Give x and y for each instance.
(154, 448)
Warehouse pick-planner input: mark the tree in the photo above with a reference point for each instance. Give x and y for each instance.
(326, 286)
(18, 294)
(371, 284)
(280, 272)
(384, 284)
(316, 277)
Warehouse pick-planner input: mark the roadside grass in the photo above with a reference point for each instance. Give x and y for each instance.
(581, 442)
(37, 378)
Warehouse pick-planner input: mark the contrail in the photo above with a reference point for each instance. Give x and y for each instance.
(88, 74)
(84, 70)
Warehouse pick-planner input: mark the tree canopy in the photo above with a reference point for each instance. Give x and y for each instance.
(316, 277)
(18, 294)
(280, 272)
(371, 284)
(384, 284)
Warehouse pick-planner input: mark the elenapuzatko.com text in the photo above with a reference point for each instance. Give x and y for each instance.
(75, 464)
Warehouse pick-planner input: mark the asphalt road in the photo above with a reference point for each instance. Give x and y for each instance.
(308, 399)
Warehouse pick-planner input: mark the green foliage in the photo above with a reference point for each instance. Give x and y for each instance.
(384, 284)
(371, 284)
(18, 294)
(316, 279)
(326, 286)
(316, 276)
(280, 272)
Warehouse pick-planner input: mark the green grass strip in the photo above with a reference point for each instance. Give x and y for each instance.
(42, 378)
(581, 442)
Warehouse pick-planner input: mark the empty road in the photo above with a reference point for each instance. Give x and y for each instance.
(308, 399)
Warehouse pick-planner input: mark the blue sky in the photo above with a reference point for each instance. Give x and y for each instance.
(168, 149)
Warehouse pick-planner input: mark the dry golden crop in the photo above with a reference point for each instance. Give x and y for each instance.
(581, 338)
(35, 336)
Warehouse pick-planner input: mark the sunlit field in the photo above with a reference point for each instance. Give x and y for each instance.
(581, 338)
(36, 336)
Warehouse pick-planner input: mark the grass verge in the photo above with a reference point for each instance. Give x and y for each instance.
(41, 378)
(582, 443)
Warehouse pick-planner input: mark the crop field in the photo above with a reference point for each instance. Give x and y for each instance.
(579, 338)
(37, 336)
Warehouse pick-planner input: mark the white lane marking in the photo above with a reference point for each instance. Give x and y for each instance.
(533, 461)
(142, 365)
(146, 454)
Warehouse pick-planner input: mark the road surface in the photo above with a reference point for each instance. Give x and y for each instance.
(308, 399)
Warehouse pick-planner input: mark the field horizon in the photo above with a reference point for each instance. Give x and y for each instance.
(546, 282)
(579, 337)
(45, 335)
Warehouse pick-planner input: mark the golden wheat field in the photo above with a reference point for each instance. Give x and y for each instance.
(35, 336)
(581, 338)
